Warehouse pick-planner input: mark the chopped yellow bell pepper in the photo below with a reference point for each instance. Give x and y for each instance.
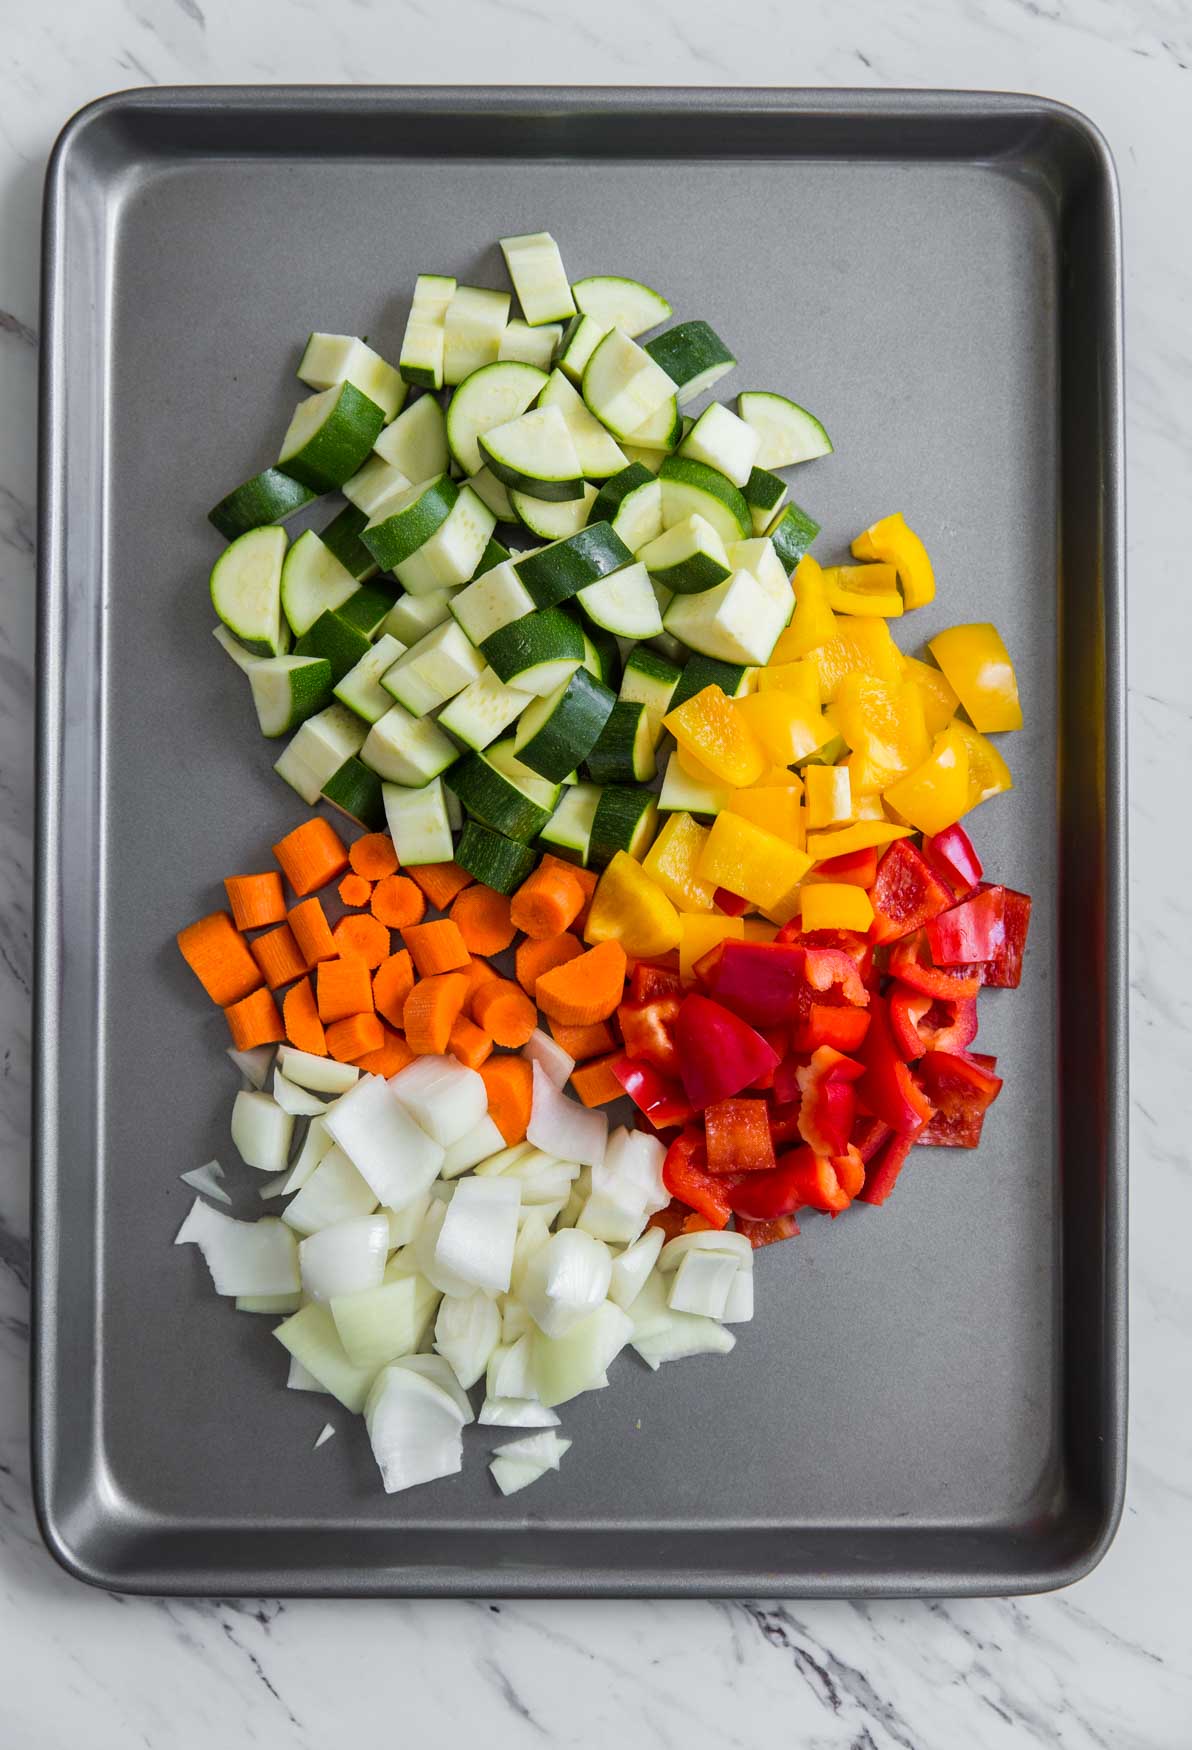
(884, 725)
(779, 778)
(778, 809)
(698, 935)
(813, 622)
(758, 930)
(829, 796)
(785, 727)
(836, 905)
(940, 701)
(709, 727)
(863, 589)
(893, 540)
(786, 908)
(750, 861)
(868, 776)
(629, 908)
(859, 647)
(671, 860)
(869, 807)
(935, 794)
(978, 665)
(799, 678)
(989, 775)
(857, 837)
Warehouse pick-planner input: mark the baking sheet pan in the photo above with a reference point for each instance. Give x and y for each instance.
(931, 1398)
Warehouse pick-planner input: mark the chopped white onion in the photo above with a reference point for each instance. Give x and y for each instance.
(542, 1049)
(348, 1258)
(381, 1324)
(272, 1306)
(322, 1075)
(423, 1254)
(702, 1283)
(685, 1335)
(244, 1257)
(511, 1370)
(501, 1162)
(206, 1179)
(300, 1378)
(268, 1189)
(515, 1320)
(548, 1184)
(253, 1065)
(466, 1333)
(633, 1158)
(312, 1339)
(479, 1232)
(393, 1153)
(522, 1462)
(575, 1205)
(414, 1428)
(533, 1233)
(316, 1144)
(334, 1192)
(739, 1306)
(481, 1142)
(718, 1240)
(615, 1217)
(515, 1413)
(261, 1132)
(298, 1102)
(434, 1367)
(566, 1366)
(325, 1434)
(512, 1474)
(562, 1127)
(565, 1280)
(442, 1096)
(405, 1223)
(633, 1266)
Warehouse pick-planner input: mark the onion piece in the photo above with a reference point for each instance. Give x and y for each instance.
(253, 1065)
(578, 1362)
(322, 1075)
(274, 1187)
(325, 1434)
(405, 1223)
(701, 1284)
(617, 1219)
(533, 1233)
(312, 1339)
(435, 1368)
(478, 1233)
(466, 1333)
(300, 1379)
(442, 1096)
(633, 1266)
(739, 1306)
(541, 1449)
(334, 1192)
(564, 1128)
(298, 1102)
(317, 1143)
(348, 1258)
(382, 1324)
(481, 1142)
(511, 1370)
(515, 1413)
(685, 1335)
(273, 1306)
(515, 1320)
(512, 1474)
(389, 1150)
(565, 1281)
(718, 1240)
(575, 1205)
(206, 1179)
(244, 1257)
(414, 1428)
(497, 1164)
(422, 1252)
(540, 1048)
(261, 1132)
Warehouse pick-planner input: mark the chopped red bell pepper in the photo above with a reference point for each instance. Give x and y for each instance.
(921, 1023)
(649, 980)
(828, 1102)
(887, 1089)
(884, 1168)
(910, 961)
(686, 1176)
(648, 1030)
(662, 1100)
(971, 931)
(697, 1224)
(784, 1117)
(737, 1137)
(719, 1054)
(670, 1219)
(768, 1233)
(961, 1090)
(801, 1177)
(824, 1024)
(760, 981)
(778, 1039)
(952, 856)
(787, 1091)
(857, 947)
(730, 903)
(906, 894)
(856, 869)
(869, 1134)
(850, 1171)
(1003, 971)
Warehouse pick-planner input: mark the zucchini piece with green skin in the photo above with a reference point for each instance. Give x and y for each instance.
(599, 454)
(621, 303)
(412, 616)
(313, 582)
(765, 494)
(491, 858)
(787, 433)
(626, 819)
(733, 679)
(623, 386)
(645, 457)
(652, 681)
(244, 659)
(495, 494)
(416, 442)
(472, 330)
(434, 670)
(687, 558)
(496, 800)
(761, 560)
(483, 711)
(286, 690)
(368, 607)
(536, 269)
(407, 750)
(319, 749)
(581, 337)
(690, 487)
(624, 753)
(693, 354)
(407, 521)
(340, 644)
(330, 436)
(556, 734)
(419, 822)
(246, 590)
(738, 621)
(491, 396)
(523, 345)
(534, 453)
(556, 573)
(623, 603)
(683, 794)
(330, 359)
(724, 442)
(602, 654)
(360, 689)
(792, 533)
(269, 497)
(341, 538)
(357, 792)
(421, 360)
(494, 554)
(620, 490)
(569, 829)
(494, 599)
(536, 653)
(662, 431)
(552, 522)
(372, 484)
(453, 552)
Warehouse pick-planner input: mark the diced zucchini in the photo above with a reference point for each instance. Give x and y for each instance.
(733, 679)
(602, 655)
(760, 558)
(503, 794)
(738, 621)
(521, 344)
(650, 680)
(552, 521)
(556, 573)
(490, 397)
(418, 822)
(368, 606)
(623, 603)
(632, 502)
(765, 494)
(690, 487)
(687, 558)
(319, 749)
(538, 652)
(569, 829)
(500, 863)
(662, 431)
(453, 552)
(494, 494)
(581, 337)
(412, 616)
(372, 484)
(626, 304)
(342, 538)
(407, 750)
(416, 442)
(536, 269)
(792, 533)
(624, 754)
(556, 734)
(648, 458)
(246, 589)
(339, 643)
(534, 453)
(330, 359)
(473, 327)
(787, 433)
(623, 386)
(694, 355)
(494, 554)
(683, 794)
(434, 670)
(421, 360)
(269, 497)
(599, 454)
(483, 710)
(360, 689)
(724, 442)
(357, 792)
(330, 436)
(625, 820)
(495, 599)
(244, 659)
(286, 690)
(406, 522)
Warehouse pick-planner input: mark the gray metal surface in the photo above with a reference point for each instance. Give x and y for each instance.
(931, 1398)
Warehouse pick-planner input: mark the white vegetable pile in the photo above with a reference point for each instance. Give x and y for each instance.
(416, 1256)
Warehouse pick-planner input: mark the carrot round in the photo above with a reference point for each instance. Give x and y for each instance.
(392, 1055)
(509, 1082)
(397, 902)
(392, 983)
(534, 958)
(312, 932)
(254, 1020)
(595, 1082)
(482, 918)
(344, 988)
(587, 879)
(479, 973)
(311, 856)
(431, 1010)
(354, 1037)
(582, 1043)
(505, 1011)
(304, 1030)
(436, 947)
(470, 1044)
(440, 882)
(364, 936)
(547, 903)
(355, 890)
(373, 856)
(218, 956)
(256, 900)
(584, 990)
(279, 957)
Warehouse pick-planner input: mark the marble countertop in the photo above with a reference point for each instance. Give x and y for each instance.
(1108, 1662)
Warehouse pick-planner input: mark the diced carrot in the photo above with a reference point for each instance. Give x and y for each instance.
(311, 856)
(304, 1030)
(535, 958)
(254, 1020)
(218, 956)
(587, 879)
(392, 983)
(479, 973)
(440, 882)
(312, 932)
(583, 1042)
(432, 1009)
(397, 902)
(256, 900)
(363, 936)
(547, 902)
(503, 1009)
(469, 1043)
(510, 1085)
(436, 947)
(595, 1082)
(393, 1055)
(344, 988)
(278, 956)
(584, 990)
(373, 856)
(354, 1037)
(355, 890)
(482, 918)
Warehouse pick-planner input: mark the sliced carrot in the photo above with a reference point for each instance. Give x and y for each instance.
(503, 1009)
(279, 957)
(509, 1082)
(393, 1055)
(595, 1082)
(373, 856)
(354, 1037)
(304, 1030)
(587, 879)
(440, 882)
(397, 902)
(256, 900)
(547, 903)
(219, 957)
(479, 973)
(469, 1043)
(344, 988)
(583, 1042)
(535, 958)
(254, 1020)
(584, 990)
(311, 856)
(482, 918)
(312, 932)
(432, 1009)
(392, 983)
(436, 947)
(363, 936)
(355, 890)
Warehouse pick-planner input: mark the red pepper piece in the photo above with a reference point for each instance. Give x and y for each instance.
(697, 1224)
(857, 947)
(670, 1219)
(869, 1134)
(828, 1103)
(952, 856)
(973, 930)
(1003, 971)
(761, 982)
(910, 961)
(961, 1090)
(850, 1171)
(648, 980)
(834, 977)
(824, 1024)
(719, 1054)
(800, 1177)
(661, 1099)
(778, 1039)
(786, 1088)
(768, 1233)
(856, 869)
(648, 1030)
(921, 1023)
(906, 894)
(730, 903)
(884, 1168)
(686, 1176)
(887, 1089)
(737, 1137)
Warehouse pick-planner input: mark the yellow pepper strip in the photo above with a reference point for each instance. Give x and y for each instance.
(869, 808)
(940, 700)
(989, 775)
(935, 794)
(758, 930)
(709, 727)
(829, 796)
(893, 540)
(629, 908)
(699, 935)
(884, 725)
(799, 678)
(786, 908)
(859, 647)
(857, 837)
(863, 589)
(778, 810)
(750, 861)
(786, 729)
(779, 778)
(670, 863)
(978, 665)
(836, 905)
(813, 623)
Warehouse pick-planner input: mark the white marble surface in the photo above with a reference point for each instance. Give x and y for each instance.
(1109, 1663)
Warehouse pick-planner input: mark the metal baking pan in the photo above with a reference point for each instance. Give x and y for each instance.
(932, 1398)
